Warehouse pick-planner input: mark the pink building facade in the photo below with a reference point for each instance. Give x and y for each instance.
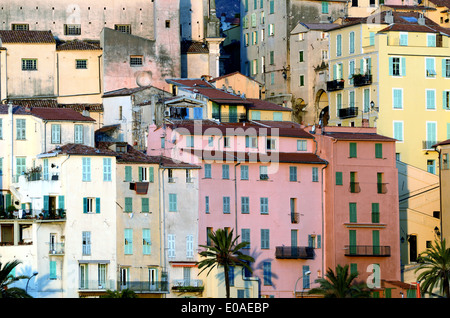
(361, 203)
(263, 181)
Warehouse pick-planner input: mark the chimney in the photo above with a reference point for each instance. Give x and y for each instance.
(389, 18)
(421, 19)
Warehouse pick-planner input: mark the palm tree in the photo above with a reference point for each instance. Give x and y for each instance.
(435, 263)
(224, 252)
(6, 279)
(340, 285)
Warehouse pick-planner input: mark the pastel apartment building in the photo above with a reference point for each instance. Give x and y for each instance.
(361, 203)
(259, 180)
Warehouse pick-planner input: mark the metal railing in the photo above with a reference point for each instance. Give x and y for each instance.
(335, 85)
(295, 217)
(348, 112)
(146, 286)
(382, 188)
(362, 79)
(294, 252)
(367, 250)
(187, 285)
(94, 285)
(354, 187)
(56, 248)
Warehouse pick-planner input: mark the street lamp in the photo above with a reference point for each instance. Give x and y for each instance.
(34, 274)
(307, 273)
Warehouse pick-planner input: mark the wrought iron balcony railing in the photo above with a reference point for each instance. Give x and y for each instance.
(362, 79)
(367, 250)
(294, 252)
(335, 85)
(348, 112)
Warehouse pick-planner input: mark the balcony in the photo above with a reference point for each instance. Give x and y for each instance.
(362, 79)
(428, 144)
(185, 285)
(335, 85)
(238, 118)
(295, 217)
(382, 188)
(348, 112)
(95, 285)
(294, 252)
(367, 250)
(56, 249)
(146, 286)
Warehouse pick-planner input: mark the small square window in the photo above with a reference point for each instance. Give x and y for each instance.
(136, 60)
(125, 28)
(81, 64)
(72, 29)
(29, 64)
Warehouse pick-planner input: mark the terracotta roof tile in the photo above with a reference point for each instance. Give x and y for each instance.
(358, 136)
(80, 149)
(9, 36)
(59, 114)
(189, 82)
(77, 45)
(259, 104)
(194, 47)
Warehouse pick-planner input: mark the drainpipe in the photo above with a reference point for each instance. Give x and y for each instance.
(162, 216)
(323, 219)
(10, 113)
(235, 195)
(440, 191)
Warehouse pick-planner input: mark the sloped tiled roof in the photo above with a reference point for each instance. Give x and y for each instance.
(77, 45)
(125, 91)
(59, 114)
(259, 104)
(194, 47)
(80, 149)
(358, 136)
(189, 82)
(13, 36)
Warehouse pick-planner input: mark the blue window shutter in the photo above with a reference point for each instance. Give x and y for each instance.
(53, 270)
(97, 205)
(128, 235)
(319, 241)
(403, 66)
(334, 72)
(391, 66)
(46, 203)
(61, 202)
(140, 173)
(84, 205)
(146, 241)
(151, 178)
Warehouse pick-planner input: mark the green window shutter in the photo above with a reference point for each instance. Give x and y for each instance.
(128, 235)
(319, 241)
(352, 150)
(61, 202)
(353, 268)
(173, 202)
(334, 71)
(84, 205)
(53, 274)
(140, 173)
(97, 205)
(375, 213)
(146, 242)
(292, 173)
(151, 172)
(128, 173)
(378, 150)
(338, 178)
(352, 210)
(128, 204)
(46, 203)
(145, 205)
(265, 239)
(376, 242)
(352, 241)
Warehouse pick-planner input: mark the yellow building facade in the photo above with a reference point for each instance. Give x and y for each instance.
(393, 70)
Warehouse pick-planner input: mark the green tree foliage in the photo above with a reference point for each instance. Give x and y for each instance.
(225, 252)
(6, 279)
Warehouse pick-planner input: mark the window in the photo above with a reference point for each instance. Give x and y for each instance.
(271, 29)
(86, 167)
(226, 205)
(378, 150)
(324, 7)
(270, 144)
(403, 38)
(351, 98)
(20, 27)
(431, 98)
(352, 212)
(251, 141)
(128, 173)
(315, 174)
(397, 98)
(207, 204)
(352, 42)
(293, 174)
(352, 150)
(173, 202)
(225, 172)
(72, 29)
(254, 37)
(380, 184)
(190, 246)
(264, 205)
(375, 213)
(244, 172)
(78, 138)
(136, 60)
(300, 56)
(256, 115)
(20, 129)
(431, 40)
(91, 205)
(245, 237)
(277, 116)
(146, 242)
(338, 178)
(226, 142)
(339, 45)
(431, 134)
(371, 38)
(125, 28)
(211, 141)
(207, 171)
(302, 80)
(81, 64)
(107, 169)
(271, 6)
(301, 145)
(431, 166)
(128, 241)
(265, 239)
(338, 101)
(446, 68)
(306, 278)
(430, 67)
(263, 173)
(398, 130)
(86, 243)
(445, 161)
(145, 205)
(190, 141)
(397, 66)
(189, 178)
(145, 174)
(445, 100)
(267, 273)
(245, 205)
